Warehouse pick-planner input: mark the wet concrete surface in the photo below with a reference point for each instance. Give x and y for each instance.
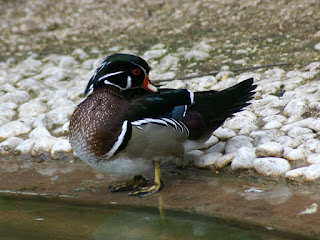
(275, 205)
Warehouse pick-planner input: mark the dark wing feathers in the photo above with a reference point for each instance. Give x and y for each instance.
(162, 104)
(212, 108)
(209, 110)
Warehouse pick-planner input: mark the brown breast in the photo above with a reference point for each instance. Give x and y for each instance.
(97, 122)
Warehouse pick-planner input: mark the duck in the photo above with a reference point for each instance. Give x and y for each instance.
(128, 126)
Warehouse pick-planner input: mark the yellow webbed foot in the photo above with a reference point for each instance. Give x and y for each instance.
(146, 191)
(136, 182)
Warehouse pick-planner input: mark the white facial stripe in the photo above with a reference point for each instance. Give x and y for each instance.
(109, 75)
(110, 83)
(129, 82)
(119, 141)
(99, 68)
(145, 71)
(191, 96)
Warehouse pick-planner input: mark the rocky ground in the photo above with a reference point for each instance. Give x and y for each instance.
(50, 50)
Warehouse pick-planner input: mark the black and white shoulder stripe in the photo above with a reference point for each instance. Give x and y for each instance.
(167, 122)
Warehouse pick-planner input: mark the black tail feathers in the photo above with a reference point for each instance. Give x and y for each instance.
(212, 108)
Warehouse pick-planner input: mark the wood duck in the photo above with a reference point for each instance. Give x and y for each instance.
(128, 126)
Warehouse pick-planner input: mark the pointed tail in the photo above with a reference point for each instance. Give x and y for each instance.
(212, 108)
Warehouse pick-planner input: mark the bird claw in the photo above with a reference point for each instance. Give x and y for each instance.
(136, 182)
(146, 191)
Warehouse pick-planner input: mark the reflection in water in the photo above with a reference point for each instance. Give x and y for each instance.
(43, 219)
(276, 196)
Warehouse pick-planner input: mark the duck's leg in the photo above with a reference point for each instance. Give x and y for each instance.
(146, 191)
(137, 181)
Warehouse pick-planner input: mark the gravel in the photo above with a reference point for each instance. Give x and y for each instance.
(271, 134)
(277, 135)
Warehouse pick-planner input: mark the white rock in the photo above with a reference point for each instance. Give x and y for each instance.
(223, 74)
(33, 108)
(241, 51)
(60, 115)
(269, 149)
(240, 61)
(60, 148)
(246, 130)
(8, 114)
(271, 166)
(304, 123)
(10, 143)
(241, 120)
(275, 73)
(88, 64)
(43, 120)
(201, 83)
(176, 84)
(272, 125)
(317, 47)
(154, 74)
(313, 65)
(313, 158)
(30, 84)
(52, 76)
(287, 150)
(39, 132)
(306, 137)
(219, 147)
(266, 111)
(313, 145)
(207, 160)
(312, 172)
(189, 157)
(43, 145)
(25, 146)
(205, 45)
(158, 46)
(8, 105)
(224, 84)
(196, 55)
(287, 141)
(224, 160)
(210, 142)
(79, 53)
(294, 118)
(294, 173)
(156, 53)
(261, 139)
(293, 73)
(67, 62)
(295, 155)
(7, 87)
(4, 120)
(273, 134)
(298, 131)
(14, 128)
(295, 107)
(315, 125)
(16, 96)
(167, 63)
(243, 158)
(63, 130)
(237, 142)
(266, 100)
(224, 133)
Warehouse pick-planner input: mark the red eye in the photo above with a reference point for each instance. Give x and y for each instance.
(136, 71)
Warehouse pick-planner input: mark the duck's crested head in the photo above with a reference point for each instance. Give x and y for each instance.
(124, 71)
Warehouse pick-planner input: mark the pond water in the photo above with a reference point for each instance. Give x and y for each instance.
(55, 219)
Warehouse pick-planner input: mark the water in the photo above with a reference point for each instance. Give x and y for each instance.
(48, 219)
